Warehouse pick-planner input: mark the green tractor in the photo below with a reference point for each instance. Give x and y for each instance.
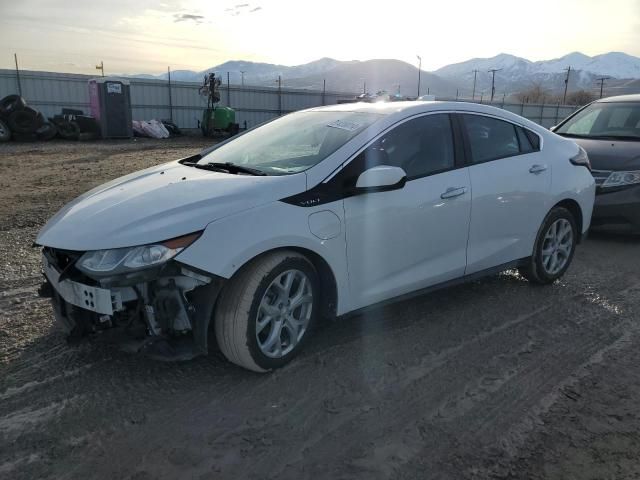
(216, 121)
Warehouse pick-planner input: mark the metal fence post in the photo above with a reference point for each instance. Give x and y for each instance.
(228, 91)
(15, 56)
(541, 113)
(522, 108)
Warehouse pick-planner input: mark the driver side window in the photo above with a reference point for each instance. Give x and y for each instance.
(421, 146)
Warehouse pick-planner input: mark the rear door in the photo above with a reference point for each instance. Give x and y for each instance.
(510, 181)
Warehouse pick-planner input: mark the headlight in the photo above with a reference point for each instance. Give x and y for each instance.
(121, 260)
(619, 179)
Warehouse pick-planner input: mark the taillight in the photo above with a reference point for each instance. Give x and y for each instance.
(581, 159)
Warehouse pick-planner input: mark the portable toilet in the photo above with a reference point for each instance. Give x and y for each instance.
(110, 105)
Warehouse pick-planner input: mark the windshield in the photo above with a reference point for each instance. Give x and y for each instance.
(293, 143)
(605, 120)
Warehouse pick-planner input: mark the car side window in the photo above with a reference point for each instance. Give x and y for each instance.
(534, 138)
(529, 141)
(490, 138)
(421, 146)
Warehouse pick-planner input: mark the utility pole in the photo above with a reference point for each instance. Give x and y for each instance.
(242, 75)
(602, 80)
(170, 99)
(457, 91)
(324, 90)
(364, 86)
(228, 91)
(101, 67)
(475, 74)
(419, 71)
(493, 71)
(15, 56)
(279, 95)
(566, 84)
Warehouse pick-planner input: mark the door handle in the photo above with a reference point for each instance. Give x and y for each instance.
(537, 168)
(452, 192)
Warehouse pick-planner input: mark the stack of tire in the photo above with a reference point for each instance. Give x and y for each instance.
(24, 123)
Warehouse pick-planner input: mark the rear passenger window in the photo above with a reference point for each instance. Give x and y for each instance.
(490, 138)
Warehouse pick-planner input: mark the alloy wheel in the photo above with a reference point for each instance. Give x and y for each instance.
(557, 246)
(284, 313)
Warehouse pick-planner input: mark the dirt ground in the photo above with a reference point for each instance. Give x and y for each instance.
(492, 379)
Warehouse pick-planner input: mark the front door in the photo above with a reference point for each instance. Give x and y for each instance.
(403, 240)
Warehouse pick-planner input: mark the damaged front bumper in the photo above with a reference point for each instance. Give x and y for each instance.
(163, 311)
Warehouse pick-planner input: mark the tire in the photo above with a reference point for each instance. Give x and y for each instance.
(40, 120)
(240, 306)
(10, 104)
(68, 130)
(47, 131)
(5, 133)
(24, 137)
(23, 121)
(538, 270)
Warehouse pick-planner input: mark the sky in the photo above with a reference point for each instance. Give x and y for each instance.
(146, 36)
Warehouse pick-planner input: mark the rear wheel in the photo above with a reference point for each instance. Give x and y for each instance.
(267, 311)
(554, 247)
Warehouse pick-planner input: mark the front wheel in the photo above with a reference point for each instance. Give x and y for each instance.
(554, 247)
(267, 310)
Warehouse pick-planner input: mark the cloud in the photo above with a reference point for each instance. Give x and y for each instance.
(241, 9)
(188, 17)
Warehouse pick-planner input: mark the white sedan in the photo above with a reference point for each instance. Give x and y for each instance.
(315, 214)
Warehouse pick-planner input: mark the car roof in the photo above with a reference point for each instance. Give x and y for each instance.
(408, 108)
(621, 98)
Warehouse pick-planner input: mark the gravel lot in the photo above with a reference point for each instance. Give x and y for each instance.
(493, 379)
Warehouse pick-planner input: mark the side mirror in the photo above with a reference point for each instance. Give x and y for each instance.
(381, 179)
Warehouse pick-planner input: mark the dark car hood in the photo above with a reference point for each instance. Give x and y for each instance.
(611, 154)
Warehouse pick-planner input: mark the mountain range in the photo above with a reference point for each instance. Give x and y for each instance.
(513, 74)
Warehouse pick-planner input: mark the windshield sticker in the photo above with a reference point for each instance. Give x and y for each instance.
(345, 125)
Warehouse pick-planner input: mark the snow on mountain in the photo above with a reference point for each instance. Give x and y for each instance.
(613, 64)
(509, 64)
(514, 73)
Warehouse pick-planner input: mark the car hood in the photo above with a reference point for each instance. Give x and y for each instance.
(157, 204)
(611, 154)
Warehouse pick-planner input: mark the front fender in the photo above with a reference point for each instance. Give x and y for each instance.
(229, 243)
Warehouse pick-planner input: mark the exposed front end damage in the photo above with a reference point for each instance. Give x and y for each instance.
(162, 311)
